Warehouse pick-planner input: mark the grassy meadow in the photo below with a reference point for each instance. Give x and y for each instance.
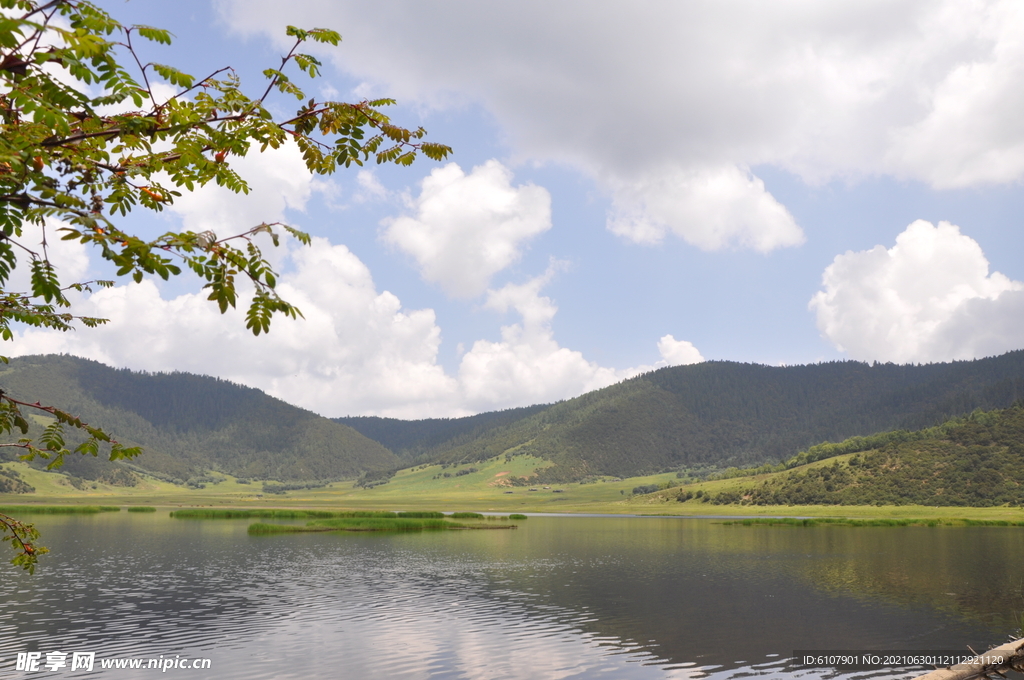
(485, 490)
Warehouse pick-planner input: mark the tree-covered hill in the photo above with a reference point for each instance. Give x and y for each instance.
(972, 461)
(190, 424)
(726, 413)
(412, 439)
(711, 414)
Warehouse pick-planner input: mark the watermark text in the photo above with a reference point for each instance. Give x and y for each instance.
(32, 662)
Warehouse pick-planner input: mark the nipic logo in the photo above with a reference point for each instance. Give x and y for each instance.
(30, 662)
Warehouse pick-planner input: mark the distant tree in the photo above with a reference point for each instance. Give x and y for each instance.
(85, 139)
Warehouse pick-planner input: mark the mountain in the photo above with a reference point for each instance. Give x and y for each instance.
(974, 461)
(713, 414)
(191, 424)
(722, 413)
(414, 439)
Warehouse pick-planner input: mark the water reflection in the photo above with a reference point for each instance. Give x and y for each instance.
(559, 598)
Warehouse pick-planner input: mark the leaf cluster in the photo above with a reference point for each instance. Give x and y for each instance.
(21, 536)
(85, 138)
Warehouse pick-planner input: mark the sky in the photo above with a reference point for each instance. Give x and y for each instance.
(633, 185)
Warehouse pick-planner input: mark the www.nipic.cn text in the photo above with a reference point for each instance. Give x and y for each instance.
(86, 661)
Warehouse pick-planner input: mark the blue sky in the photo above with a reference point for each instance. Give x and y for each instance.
(632, 186)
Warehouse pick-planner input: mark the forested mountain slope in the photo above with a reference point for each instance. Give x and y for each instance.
(727, 413)
(977, 461)
(410, 439)
(189, 424)
(715, 413)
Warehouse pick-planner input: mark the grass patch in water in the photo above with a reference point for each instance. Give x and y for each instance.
(141, 508)
(272, 513)
(840, 521)
(517, 515)
(466, 515)
(57, 509)
(422, 515)
(387, 524)
(357, 524)
(384, 524)
(261, 528)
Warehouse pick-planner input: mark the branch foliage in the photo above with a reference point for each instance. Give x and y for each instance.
(85, 139)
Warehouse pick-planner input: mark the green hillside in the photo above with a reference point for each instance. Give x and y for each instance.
(726, 413)
(191, 424)
(426, 438)
(975, 461)
(711, 415)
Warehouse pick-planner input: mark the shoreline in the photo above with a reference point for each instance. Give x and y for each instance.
(560, 507)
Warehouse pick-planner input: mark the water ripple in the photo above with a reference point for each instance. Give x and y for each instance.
(560, 599)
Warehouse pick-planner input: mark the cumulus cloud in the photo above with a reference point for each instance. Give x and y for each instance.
(278, 181)
(678, 352)
(646, 100)
(466, 228)
(370, 188)
(930, 297)
(69, 257)
(711, 209)
(527, 366)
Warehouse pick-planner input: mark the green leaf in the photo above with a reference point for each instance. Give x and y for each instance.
(174, 76)
(155, 34)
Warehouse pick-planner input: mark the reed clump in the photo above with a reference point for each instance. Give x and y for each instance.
(271, 513)
(261, 528)
(380, 524)
(466, 515)
(385, 524)
(357, 524)
(57, 509)
(422, 515)
(141, 508)
(517, 515)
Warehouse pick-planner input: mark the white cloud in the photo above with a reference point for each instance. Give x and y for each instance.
(678, 352)
(68, 257)
(928, 298)
(641, 97)
(370, 188)
(970, 132)
(278, 180)
(467, 228)
(709, 209)
(527, 366)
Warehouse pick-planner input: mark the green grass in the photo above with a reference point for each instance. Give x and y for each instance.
(422, 515)
(516, 515)
(273, 513)
(482, 491)
(466, 515)
(887, 522)
(261, 528)
(141, 508)
(386, 524)
(57, 509)
(389, 524)
(358, 524)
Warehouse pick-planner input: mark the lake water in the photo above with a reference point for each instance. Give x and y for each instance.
(561, 597)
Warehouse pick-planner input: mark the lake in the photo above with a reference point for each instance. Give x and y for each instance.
(560, 597)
